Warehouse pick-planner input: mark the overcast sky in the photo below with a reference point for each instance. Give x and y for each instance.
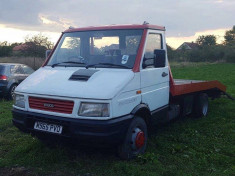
(184, 19)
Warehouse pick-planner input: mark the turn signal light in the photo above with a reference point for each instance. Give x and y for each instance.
(3, 77)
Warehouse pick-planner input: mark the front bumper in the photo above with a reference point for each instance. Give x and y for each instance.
(105, 131)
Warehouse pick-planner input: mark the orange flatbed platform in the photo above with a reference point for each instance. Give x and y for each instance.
(181, 87)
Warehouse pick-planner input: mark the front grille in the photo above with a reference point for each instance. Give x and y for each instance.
(53, 105)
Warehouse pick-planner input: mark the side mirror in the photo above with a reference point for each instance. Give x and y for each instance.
(48, 52)
(158, 60)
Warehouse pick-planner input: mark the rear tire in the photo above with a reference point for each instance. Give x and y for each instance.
(11, 91)
(135, 141)
(201, 105)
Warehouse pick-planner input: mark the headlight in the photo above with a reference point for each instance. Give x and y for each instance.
(19, 101)
(94, 110)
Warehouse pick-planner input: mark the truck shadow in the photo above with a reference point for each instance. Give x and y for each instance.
(77, 149)
(161, 128)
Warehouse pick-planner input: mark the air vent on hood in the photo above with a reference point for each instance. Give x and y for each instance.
(82, 75)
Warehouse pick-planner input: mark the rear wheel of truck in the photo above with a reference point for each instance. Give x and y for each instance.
(135, 141)
(201, 105)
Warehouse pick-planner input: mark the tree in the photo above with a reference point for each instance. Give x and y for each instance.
(5, 49)
(37, 45)
(230, 36)
(170, 52)
(40, 40)
(206, 40)
(15, 44)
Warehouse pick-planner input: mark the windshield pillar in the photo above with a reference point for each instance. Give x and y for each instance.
(139, 56)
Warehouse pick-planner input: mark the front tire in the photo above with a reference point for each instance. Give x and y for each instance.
(135, 141)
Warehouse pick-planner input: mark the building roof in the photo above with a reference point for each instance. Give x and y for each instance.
(190, 45)
(20, 47)
(110, 27)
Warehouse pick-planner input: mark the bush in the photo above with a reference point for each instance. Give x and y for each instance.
(204, 54)
(5, 49)
(230, 54)
(211, 53)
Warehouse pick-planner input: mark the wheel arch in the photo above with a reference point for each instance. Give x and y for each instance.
(142, 110)
(11, 83)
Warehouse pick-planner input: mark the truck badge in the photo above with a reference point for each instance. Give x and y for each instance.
(48, 105)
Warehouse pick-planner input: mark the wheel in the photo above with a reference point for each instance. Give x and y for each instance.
(11, 93)
(201, 104)
(135, 141)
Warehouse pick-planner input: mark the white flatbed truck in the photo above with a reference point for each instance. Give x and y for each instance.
(108, 84)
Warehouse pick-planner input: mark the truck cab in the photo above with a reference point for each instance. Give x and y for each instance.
(106, 84)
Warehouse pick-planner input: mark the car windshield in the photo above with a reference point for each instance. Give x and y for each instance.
(107, 48)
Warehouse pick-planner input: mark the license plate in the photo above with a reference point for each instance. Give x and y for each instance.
(52, 128)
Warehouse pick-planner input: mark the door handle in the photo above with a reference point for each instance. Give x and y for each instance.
(164, 74)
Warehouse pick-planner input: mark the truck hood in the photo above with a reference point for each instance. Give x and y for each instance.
(102, 84)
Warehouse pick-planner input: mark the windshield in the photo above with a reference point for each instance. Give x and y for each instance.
(115, 47)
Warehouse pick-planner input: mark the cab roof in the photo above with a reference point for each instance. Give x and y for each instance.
(111, 27)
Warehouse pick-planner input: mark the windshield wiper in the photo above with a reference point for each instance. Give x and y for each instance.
(108, 64)
(68, 62)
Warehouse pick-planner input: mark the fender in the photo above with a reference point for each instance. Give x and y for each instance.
(141, 107)
(152, 118)
(142, 110)
(11, 82)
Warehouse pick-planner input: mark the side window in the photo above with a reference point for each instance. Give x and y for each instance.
(154, 42)
(13, 69)
(27, 70)
(16, 69)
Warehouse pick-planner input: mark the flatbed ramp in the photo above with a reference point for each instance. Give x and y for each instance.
(181, 86)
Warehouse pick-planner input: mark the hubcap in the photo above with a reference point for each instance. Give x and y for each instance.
(205, 108)
(138, 139)
(13, 91)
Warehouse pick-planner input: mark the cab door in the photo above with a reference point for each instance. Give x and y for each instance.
(154, 77)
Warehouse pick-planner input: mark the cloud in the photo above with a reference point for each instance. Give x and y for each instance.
(13, 35)
(53, 22)
(175, 42)
(182, 18)
(23, 12)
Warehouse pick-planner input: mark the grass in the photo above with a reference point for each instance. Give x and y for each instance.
(186, 147)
